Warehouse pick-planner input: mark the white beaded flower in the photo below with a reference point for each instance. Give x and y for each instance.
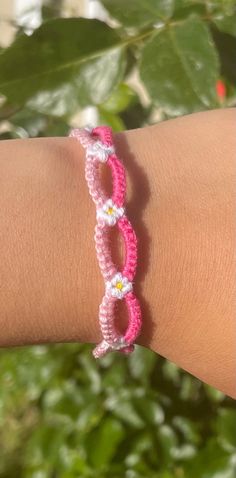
(118, 286)
(110, 213)
(100, 150)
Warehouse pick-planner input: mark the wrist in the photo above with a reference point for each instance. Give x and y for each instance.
(46, 244)
(186, 269)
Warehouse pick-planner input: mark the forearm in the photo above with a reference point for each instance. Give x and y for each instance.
(181, 201)
(46, 230)
(188, 249)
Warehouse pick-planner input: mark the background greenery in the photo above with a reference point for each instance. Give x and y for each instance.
(62, 414)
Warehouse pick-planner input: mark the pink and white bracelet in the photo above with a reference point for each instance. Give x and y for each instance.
(98, 143)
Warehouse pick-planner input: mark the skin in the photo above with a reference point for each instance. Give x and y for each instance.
(181, 178)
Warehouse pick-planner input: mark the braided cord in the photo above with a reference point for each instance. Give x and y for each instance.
(98, 143)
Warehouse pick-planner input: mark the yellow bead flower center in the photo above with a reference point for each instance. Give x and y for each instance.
(119, 285)
(110, 210)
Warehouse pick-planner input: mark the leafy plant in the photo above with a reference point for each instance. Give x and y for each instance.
(62, 414)
(65, 415)
(174, 47)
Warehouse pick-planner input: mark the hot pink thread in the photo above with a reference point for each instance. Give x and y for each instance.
(98, 143)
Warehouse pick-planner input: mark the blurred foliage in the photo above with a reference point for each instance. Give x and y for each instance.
(62, 414)
(177, 49)
(65, 415)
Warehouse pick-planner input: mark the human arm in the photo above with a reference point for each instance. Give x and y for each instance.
(181, 178)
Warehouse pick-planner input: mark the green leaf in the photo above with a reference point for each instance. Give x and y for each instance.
(111, 119)
(103, 444)
(214, 394)
(120, 99)
(126, 412)
(226, 426)
(180, 67)
(44, 444)
(226, 23)
(31, 122)
(189, 387)
(76, 465)
(211, 462)
(56, 127)
(227, 7)
(89, 417)
(141, 444)
(123, 408)
(90, 367)
(187, 428)
(171, 371)
(114, 375)
(183, 452)
(141, 363)
(149, 410)
(64, 64)
(185, 8)
(168, 441)
(139, 13)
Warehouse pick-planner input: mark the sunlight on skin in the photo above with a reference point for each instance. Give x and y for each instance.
(181, 180)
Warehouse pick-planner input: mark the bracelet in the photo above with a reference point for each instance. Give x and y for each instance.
(99, 146)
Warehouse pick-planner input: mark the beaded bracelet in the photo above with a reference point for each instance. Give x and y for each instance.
(98, 143)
